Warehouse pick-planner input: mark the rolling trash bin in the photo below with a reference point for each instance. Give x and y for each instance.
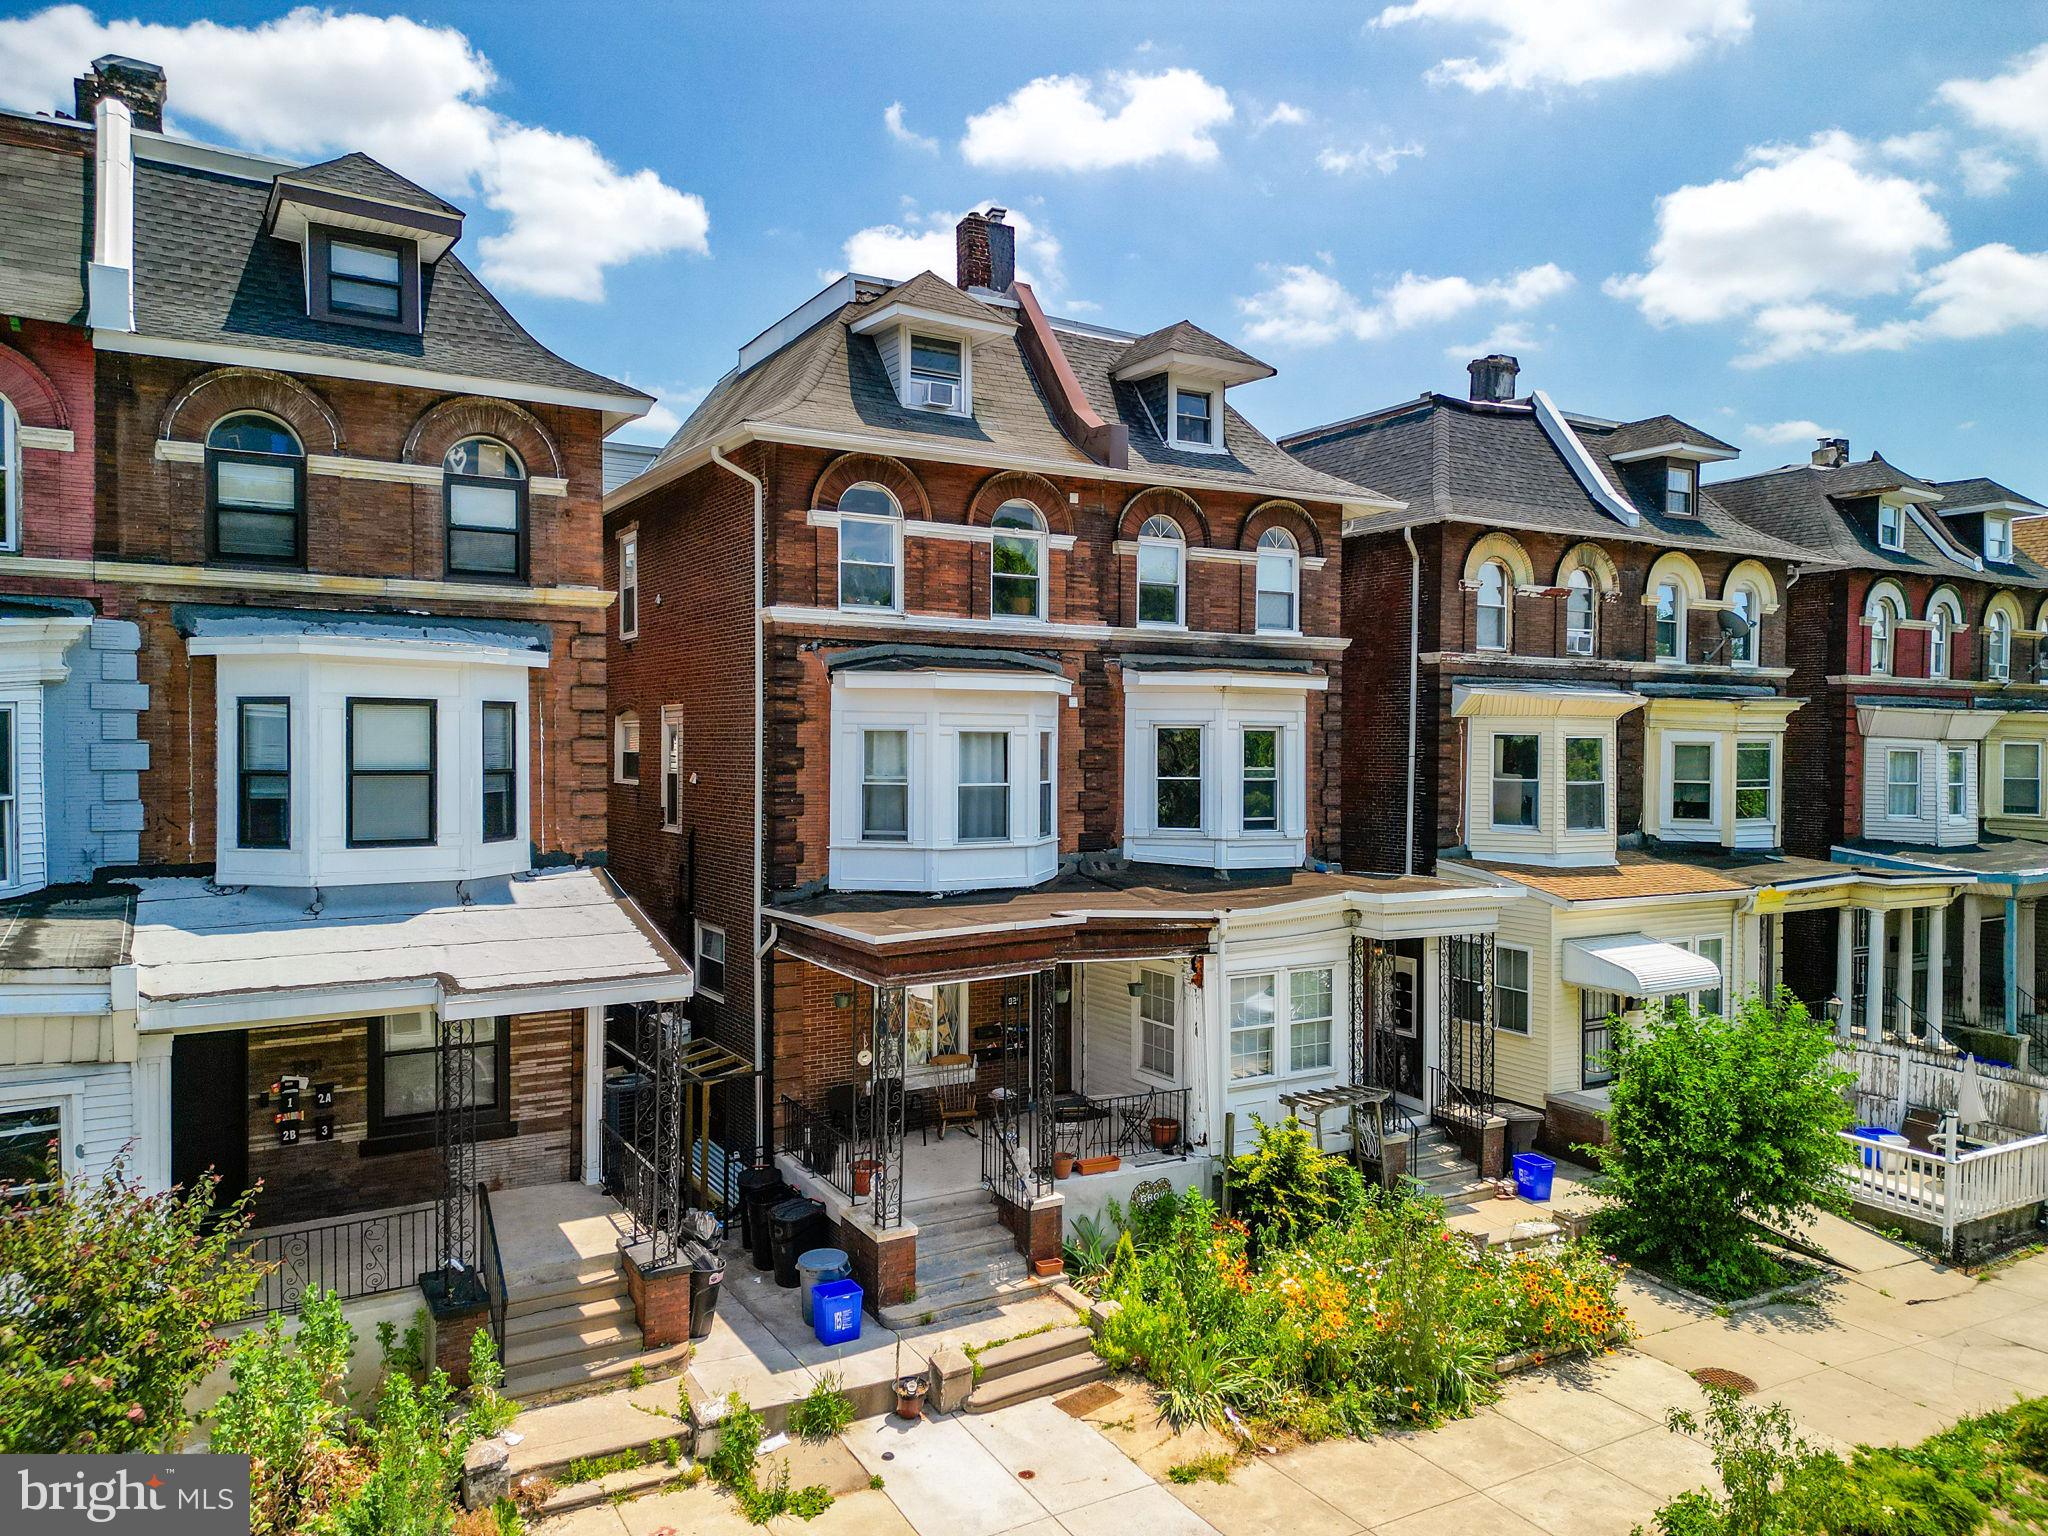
(1533, 1173)
(707, 1278)
(815, 1268)
(837, 1304)
(795, 1227)
(761, 1190)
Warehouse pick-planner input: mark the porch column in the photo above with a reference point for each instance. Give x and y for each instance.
(1973, 959)
(1873, 979)
(149, 1087)
(1749, 941)
(1845, 968)
(1937, 951)
(593, 1095)
(1902, 984)
(2012, 965)
(2028, 915)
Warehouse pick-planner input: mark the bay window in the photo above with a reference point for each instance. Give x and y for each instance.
(1692, 781)
(2021, 776)
(1260, 782)
(1958, 782)
(263, 787)
(984, 786)
(1517, 777)
(1585, 783)
(391, 771)
(885, 786)
(1046, 807)
(1177, 776)
(1902, 782)
(1753, 781)
(501, 770)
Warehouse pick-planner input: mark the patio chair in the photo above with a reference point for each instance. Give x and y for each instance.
(953, 1092)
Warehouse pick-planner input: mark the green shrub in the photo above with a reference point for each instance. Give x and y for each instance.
(284, 1410)
(489, 1410)
(740, 1433)
(1717, 1125)
(414, 1451)
(823, 1413)
(1284, 1189)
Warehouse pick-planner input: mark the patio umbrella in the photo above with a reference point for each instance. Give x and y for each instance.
(1970, 1109)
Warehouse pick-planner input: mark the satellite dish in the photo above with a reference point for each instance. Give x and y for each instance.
(1733, 624)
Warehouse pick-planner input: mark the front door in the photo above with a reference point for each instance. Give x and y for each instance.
(1407, 1029)
(209, 1110)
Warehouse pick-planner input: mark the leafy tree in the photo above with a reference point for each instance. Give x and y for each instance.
(1719, 1124)
(112, 1298)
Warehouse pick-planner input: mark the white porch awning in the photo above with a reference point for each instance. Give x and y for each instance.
(1636, 965)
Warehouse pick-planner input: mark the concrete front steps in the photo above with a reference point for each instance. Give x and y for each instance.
(1043, 1365)
(575, 1331)
(1435, 1163)
(967, 1261)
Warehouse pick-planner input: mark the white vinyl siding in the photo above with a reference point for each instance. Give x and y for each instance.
(1104, 1025)
(1556, 838)
(1907, 796)
(98, 1108)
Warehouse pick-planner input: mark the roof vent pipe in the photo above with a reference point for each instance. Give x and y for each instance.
(1493, 377)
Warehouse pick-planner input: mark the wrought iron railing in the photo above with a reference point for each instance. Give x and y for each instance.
(823, 1148)
(490, 1265)
(2030, 1023)
(354, 1256)
(1122, 1124)
(1006, 1142)
(1596, 1054)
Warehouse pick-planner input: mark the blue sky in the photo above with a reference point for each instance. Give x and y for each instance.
(1750, 213)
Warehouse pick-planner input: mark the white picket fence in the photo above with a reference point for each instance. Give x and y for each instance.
(1950, 1188)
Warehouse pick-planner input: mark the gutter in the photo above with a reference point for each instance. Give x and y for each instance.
(759, 553)
(1414, 688)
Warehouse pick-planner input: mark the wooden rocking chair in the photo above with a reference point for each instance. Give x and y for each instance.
(953, 1093)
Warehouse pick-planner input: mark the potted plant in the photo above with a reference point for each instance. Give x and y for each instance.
(1165, 1132)
(910, 1397)
(864, 1174)
(1062, 1163)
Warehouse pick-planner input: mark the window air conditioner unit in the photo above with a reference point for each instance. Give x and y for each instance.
(938, 394)
(1578, 642)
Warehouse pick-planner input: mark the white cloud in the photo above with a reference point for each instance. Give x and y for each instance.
(2014, 104)
(1921, 149)
(1283, 114)
(1563, 43)
(1802, 223)
(1070, 123)
(1512, 338)
(314, 83)
(1984, 172)
(672, 406)
(923, 242)
(1382, 158)
(892, 119)
(1779, 433)
(1308, 307)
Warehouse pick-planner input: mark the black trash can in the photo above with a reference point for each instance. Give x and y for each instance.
(797, 1226)
(757, 1198)
(707, 1279)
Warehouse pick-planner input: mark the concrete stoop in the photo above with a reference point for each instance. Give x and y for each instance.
(575, 1331)
(967, 1262)
(1042, 1365)
(1444, 1172)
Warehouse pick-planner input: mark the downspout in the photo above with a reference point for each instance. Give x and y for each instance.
(1414, 688)
(759, 554)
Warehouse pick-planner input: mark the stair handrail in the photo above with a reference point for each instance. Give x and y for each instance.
(491, 1267)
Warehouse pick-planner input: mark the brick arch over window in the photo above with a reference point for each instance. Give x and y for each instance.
(891, 474)
(35, 398)
(1292, 516)
(225, 391)
(442, 426)
(1020, 485)
(1508, 551)
(2006, 603)
(1595, 562)
(1185, 511)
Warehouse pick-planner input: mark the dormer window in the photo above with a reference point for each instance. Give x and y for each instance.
(1681, 490)
(935, 374)
(363, 279)
(1998, 539)
(1891, 525)
(1192, 422)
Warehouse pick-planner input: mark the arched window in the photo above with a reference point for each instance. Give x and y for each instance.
(1884, 618)
(1278, 578)
(1493, 606)
(255, 492)
(1580, 604)
(1997, 646)
(484, 500)
(1017, 561)
(1670, 638)
(10, 475)
(1943, 618)
(1745, 649)
(1162, 560)
(870, 547)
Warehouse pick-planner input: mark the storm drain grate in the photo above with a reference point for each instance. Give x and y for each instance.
(1721, 1376)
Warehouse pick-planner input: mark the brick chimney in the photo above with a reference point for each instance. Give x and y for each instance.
(141, 86)
(971, 265)
(1002, 251)
(1493, 377)
(1832, 453)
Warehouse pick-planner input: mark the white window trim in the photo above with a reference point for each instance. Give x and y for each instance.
(1919, 760)
(1041, 537)
(623, 720)
(1529, 990)
(1897, 510)
(1698, 946)
(1279, 734)
(907, 339)
(1292, 555)
(1581, 580)
(1999, 549)
(895, 525)
(1679, 605)
(1008, 784)
(1176, 385)
(1943, 623)
(629, 540)
(1691, 472)
(68, 1094)
(1506, 610)
(2005, 776)
(1205, 784)
(672, 729)
(1284, 1069)
(1516, 828)
(1770, 816)
(1998, 646)
(1956, 806)
(1138, 1067)
(1707, 830)
(1604, 741)
(16, 880)
(1180, 582)
(10, 466)
(697, 958)
(1752, 656)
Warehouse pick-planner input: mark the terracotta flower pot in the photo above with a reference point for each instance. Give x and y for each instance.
(1062, 1164)
(1165, 1133)
(864, 1174)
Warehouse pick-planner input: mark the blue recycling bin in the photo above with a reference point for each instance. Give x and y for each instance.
(1870, 1133)
(1533, 1173)
(835, 1311)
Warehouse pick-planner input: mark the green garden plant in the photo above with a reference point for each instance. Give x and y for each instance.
(824, 1412)
(114, 1298)
(1284, 1189)
(285, 1410)
(1720, 1125)
(731, 1465)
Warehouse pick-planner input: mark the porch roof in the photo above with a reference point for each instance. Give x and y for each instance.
(1107, 912)
(2000, 865)
(59, 949)
(568, 938)
(1641, 874)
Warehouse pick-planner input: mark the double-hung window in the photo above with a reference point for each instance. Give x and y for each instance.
(711, 961)
(10, 475)
(1753, 781)
(10, 817)
(1670, 623)
(2022, 778)
(1585, 784)
(1158, 1024)
(870, 536)
(1017, 561)
(626, 749)
(501, 770)
(1493, 606)
(366, 277)
(1194, 417)
(27, 1131)
(255, 492)
(391, 773)
(1997, 647)
(1997, 539)
(1310, 1009)
(1177, 772)
(1958, 782)
(1045, 784)
(1709, 999)
(485, 489)
(672, 767)
(1302, 1002)
(1902, 782)
(1681, 490)
(1578, 613)
(1692, 781)
(1511, 991)
(1516, 780)
(263, 789)
(984, 786)
(1260, 785)
(629, 584)
(1252, 1026)
(1937, 640)
(406, 1075)
(885, 786)
(1743, 649)
(935, 374)
(1279, 567)
(1882, 617)
(1891, 525)
(1162, 556)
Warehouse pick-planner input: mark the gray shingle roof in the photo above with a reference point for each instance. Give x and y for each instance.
(1656, 431)
(1979, 491)
(358, 174)
(1805, 503)
(45, 233)
(1452, 460)
(830, 380)
(1869, 476)
(1185, 336)
(928, 290)
(206, 272)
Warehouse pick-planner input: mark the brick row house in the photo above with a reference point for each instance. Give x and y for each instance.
(308, 529)
(1573, 681)
(977, 684)
(1921, 650)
